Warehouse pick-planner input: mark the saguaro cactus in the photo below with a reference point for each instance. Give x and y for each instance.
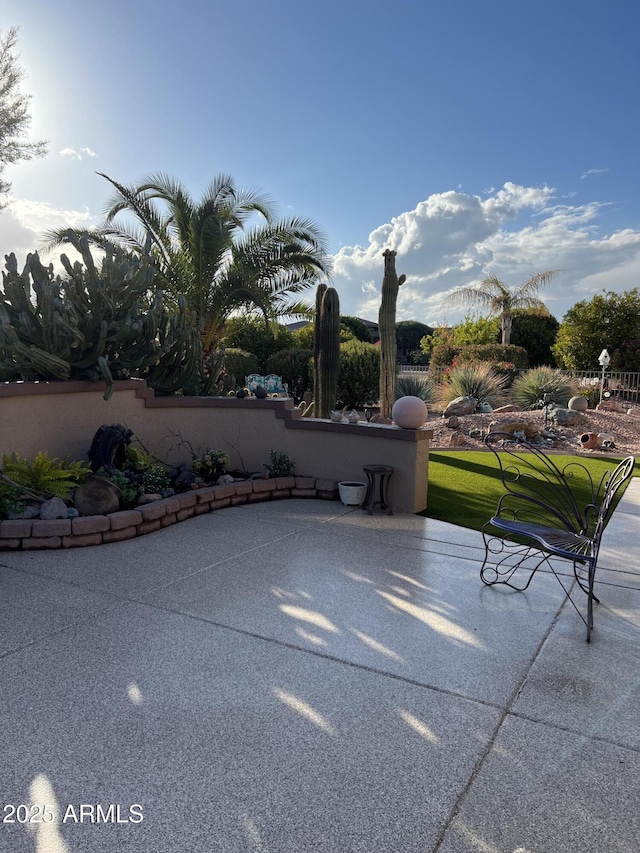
(328, 361)
(320, 292)
(387, 329)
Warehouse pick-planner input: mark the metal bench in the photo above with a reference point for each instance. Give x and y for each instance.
(539, 517)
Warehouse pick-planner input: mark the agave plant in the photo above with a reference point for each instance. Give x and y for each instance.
(477, 379)
(531, 387)
(415, 386)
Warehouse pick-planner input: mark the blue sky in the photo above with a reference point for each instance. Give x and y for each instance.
(475, 137)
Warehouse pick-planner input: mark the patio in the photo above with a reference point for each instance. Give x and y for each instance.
(299, 676)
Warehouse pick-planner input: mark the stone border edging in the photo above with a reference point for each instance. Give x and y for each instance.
(37, 534)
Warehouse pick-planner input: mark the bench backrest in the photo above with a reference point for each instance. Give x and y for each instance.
(539, 491)
(272, 383)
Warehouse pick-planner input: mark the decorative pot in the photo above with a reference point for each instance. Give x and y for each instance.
(352, 492)
(589, 440)
(578, 404)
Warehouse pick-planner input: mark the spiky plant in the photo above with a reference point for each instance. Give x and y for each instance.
(415, 386)
(529, 389)
(478, 380)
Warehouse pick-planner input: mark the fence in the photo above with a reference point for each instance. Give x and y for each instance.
(617, 384)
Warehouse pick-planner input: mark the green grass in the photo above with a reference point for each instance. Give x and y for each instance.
(465, 486)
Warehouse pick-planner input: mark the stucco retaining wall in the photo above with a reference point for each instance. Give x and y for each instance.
(62, 418)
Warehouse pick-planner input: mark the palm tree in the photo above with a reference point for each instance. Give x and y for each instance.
(503, 300)
(204, 253)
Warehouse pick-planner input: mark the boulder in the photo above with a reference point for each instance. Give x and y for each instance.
(514, 426)
(53, 508)
(566, 417)
(461, 406)
(453, 422)
(457, 439)
(609, 406)
(97, 496)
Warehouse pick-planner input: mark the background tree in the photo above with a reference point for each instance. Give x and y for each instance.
(502, 300)
(203, 252)
(253, 335)
(14, 112)
(537, 334)
(357, 328)
(608, 321)
(409, 333)
(475, 331)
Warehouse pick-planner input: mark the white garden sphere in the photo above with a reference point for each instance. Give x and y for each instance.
(409, 412)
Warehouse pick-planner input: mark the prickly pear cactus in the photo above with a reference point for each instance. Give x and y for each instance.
(387, 329)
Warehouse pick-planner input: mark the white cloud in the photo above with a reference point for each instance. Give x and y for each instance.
(71, 153)
(590, 172)
(24, 222)
(75, 155)
(453, 239)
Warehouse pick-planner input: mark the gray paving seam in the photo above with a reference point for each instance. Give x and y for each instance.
(323, 655)
(588, 738)
(61, 630)
(506, 712)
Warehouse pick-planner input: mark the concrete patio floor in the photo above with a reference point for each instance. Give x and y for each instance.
(298, 676)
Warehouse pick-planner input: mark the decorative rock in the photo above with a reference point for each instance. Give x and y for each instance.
(578, 404)
(566, 417)
(609, 406)
(52, 509)
(109, 446)
(97, 496)
(260, 392)
(148, 499)
(27, 512)
(453, 422)
(225, 479)
(409, 412)
(511, 427)
(457, 439)
(510, 407)
(72, 512)
(461, 406)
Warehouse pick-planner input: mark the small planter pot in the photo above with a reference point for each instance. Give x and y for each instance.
(589, 440)
(352, 493)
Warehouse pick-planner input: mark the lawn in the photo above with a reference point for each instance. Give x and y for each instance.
(465, 486)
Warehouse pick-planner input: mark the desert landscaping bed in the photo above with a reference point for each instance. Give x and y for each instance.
(624, 427)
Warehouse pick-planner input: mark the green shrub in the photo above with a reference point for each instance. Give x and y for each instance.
(210, 464)
(293, 366)
(11, 500)
(48, 477)
(281, 464)
(477, 380)
(238, 364)
(415, 386)
(154, 480)
(359, 377)
(528, 389)
(443, 353)
(493, 353)
(123, 481)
